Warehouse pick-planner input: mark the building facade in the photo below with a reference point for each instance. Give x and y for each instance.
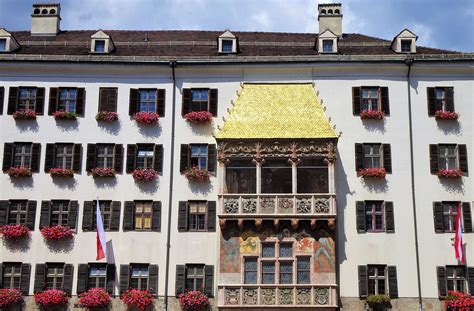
(332, 169)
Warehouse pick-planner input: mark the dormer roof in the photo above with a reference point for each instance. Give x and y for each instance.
(11, 44)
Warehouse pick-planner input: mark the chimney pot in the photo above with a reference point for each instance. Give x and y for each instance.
(330, 17)
(45, 19)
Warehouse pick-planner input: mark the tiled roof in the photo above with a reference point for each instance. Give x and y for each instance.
(276, 111)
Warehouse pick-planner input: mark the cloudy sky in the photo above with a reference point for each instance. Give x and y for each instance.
(447, 24)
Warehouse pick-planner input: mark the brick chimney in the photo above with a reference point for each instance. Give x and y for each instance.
(330, 17)
(45, 19)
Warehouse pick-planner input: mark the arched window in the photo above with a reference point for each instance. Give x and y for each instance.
(337, 12)
(323, 12)
(329, 11)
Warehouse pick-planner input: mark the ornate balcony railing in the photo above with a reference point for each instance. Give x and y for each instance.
(281, 296)
(277, 205)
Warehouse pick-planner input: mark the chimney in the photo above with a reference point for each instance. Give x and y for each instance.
(330, 17)
(45, 19)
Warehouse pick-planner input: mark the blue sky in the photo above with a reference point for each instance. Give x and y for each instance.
(447, 24)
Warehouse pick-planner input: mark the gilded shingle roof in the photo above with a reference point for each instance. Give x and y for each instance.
(276, 111)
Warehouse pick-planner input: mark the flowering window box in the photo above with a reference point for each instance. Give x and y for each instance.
(56, 232)
(107, 116)
(372, 115)
(458, 301)
(94, 298)
(19, 172)
(148, 118)
(64, 115)
(144, 174)
(51, 298)
(199, 117)
(446, 115)
(14, 232)
(378, 301)
(193, 301)
(196, 174)
(24, 115)
(10, 297)
(379, 173)
(138, 299)
(60, 172)
(102, 172)
(453, 173)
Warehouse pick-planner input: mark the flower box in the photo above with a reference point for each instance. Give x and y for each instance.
(148, 118)
(372, 172)
(61, 172)
(138, 299)
(144, 174)
(14, 232)
(372, 114)
(199, 116)
(377, 301)
(51, 297)
(56, 232)
(64, 115)
(450, 173)
(94, 298)
(197, 175)
(24, 115)
(446, 115)
(456, 301)
(107, 116)
(102, 172)
(19, 172)
(10, 297)
(193, 301)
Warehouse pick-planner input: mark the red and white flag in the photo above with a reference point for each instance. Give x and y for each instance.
(458, 243)
(101, 242)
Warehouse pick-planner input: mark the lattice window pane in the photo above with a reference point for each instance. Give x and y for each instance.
(268, 250)
(286, 272)
(286, 249)
(268, 273)
(303, 270)
(250, 276)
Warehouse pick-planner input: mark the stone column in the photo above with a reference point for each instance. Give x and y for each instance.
(258, 167)
(294, 161)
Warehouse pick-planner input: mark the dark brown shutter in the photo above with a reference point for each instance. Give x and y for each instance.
(186, 103)
(385, 100)
(392, 281)
(449, 98)
(108, 99)
(362, 281)
(133, 103)
(91, 157)
(183, 216)
(80, 101)
(470, 280)
(438, 217)
(8, 156)
(4, 204)
(1, 274)
(359, 156)
(180, 279)
(53, 100)
(118, 158)
(35, 157)
(72, 214)
(356, 99)
(442, 286)
(213, 102)
(431, 95)
(12, 100)
(88, 216)
(39, 107)
(209, 281)
(124, 278)
(160, 102)
(76, 159)
(158, 159)
(156, 216)
(462, 153)
(131, 154)
(103, 95)
(184, 158)
(389, 218)
(434, 159)
(466, 216)
(68, 277)
(115, 221)
(387, 158)
(45, 214)
(360, 216)
(211, 216)
(211, 158)
(128, 216)
(109, 287)
(2, 96)
(25, 278)
(50, 155)
(31, 215)
(153, 279)
(82, 278)
(40, 278)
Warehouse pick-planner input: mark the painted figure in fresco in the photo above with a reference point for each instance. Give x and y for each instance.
(230, 256)
(325, 253)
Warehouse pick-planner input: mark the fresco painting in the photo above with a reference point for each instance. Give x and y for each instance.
(249, 245)
(324, 255)
(305, 245)
(229, 255)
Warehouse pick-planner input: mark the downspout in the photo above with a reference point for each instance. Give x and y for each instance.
(409, 62)
(173, 65)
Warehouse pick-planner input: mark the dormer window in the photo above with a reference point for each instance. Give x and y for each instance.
(227, 46)
(3, 45)
(404, 42)
(406, 46)
(227, 43)
(327, 42)
(99, 46)
(8, 43)
(327, 46)
(101, 43)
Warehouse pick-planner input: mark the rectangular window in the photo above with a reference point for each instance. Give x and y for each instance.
(312, 176)
(99, 46)
(139, 276)
(268, 272)
(371, 99)
(372, 156)
(276, 176)
(241, 176)
(328, 46)
(200, 100)
(227, 46)
(11, 275)
(54, 276)
(108, 99)
(197, 216)
(286, 249)
(198, 157)
(450, 212)
(147, 100)
(26, 99)
(443, 102)
(456, 278)
(406, 46)
(143, 215)
(105, 156)
(268, 250)
(374, 216)
(97, 276)
(195, 277)
(64, 155)
(59, 213)
(106, 212)
(145, 154)
(448, 157)
(250, 271)
(17, 212)
(3, 45)
(286, 272)
(22, 155)
(303, 270)
(67, 99)
(377, 280)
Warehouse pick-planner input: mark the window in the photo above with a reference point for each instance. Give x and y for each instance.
(328, 46)
(54, 276)
(145, 155)
(197, 216)
(447, 157)
(97, 276)
(198, 156)
(99, 46)
(250, 273)
(303, 270)
(227, 46)
(268, 250)
(22, 155)
(370, 99)
(312, 176)
(17, 213)
(450, 212)
(106, 212)
(372, 156)
(241, 176)
(200, 100)
(440, 99)
(108, 99)
(67, 99)
(11, 275)
(406, 46)
(147, 101)
(143, 215)
(139, 276)
(276, 176)
(286, 249)
(3, 45)
(59, 213)
(374, 216)
(64, 156)
(377, 280)
(26, 99)
(195, 277)
(105, 156)
(268, 272)
(456, 278)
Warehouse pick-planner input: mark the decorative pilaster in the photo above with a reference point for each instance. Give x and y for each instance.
(331, 161)
(258, 160)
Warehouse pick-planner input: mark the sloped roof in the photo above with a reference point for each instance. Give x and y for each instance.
(278, 111)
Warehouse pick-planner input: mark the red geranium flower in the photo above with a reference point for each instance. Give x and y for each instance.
(199, 116)
(139, 299)
(372, 172)
(146, 117)
(94, 298)
(61, 172)
(372, 114)
(103, 172)
(144, 174)
(10, 296)
(107, 116)
(450, 173)
(19, 172)
(56, 232)
(457, 301)
(24, 115)
(14, 232)
(446, 115)
(196, 174)
(193, 301)
(51, 297)
(64, 115)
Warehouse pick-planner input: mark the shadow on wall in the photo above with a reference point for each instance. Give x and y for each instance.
(374, 184)
(374, 125)
(68, 125)
(204, 130)
(112, 128)
(450, 127)
(105, 182)
(18, 246)
(452, 185)
(65, 183)
(342, 193)
(149, 130)
(27, 126)
(60, 246)
(201, 187)
(148, 187)
(22, 183)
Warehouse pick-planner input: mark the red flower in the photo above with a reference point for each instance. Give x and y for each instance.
(146, 117)
(10, 296)
(107, 116)
(139, 299)
(372, 172)
(144, 174)
(63, 115)
(456, 301)
(452, 173)
(24, 115)
(446, 115)
(196, 174)
(56, 232)
(372, 114)
(14, 232)
(61, 172)
(199, 116)
(19, 172)
(103, 172)
(51, 297)
(94, 298)
(193, 301)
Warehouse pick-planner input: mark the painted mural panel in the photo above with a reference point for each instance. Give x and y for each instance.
(230, 255)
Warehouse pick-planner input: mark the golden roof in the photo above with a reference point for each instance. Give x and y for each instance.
(278, 110)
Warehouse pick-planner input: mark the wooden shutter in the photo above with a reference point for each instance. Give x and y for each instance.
(359, 156)
(76, 158)
(49, 159)
(466, 216)
(356, 101)
(211, 216)
(35, 157)
(209, 281)
(183, 216)
(131, 154)
(184, 158)
(153, 279)
(39, 107)
(186, 101)
(442, 286)
(385, 100)
(40, 278)
(72, 214)
(389, 218)
(392, 281)
(387, 158)
(82, 278)
(360, 216)
(88, 216)
(211, 158)
(1, 274)
(213, 102)
(449, 98)
(4, 204)
(128, 216)
(363, 290)
(12, 100)
(80, 101)
(53, 100)
(68, 277)
(118, 158)
(180, 279)
(431, 96)
(462, 154)
(8, 156)
(158, 159)
(133, 102)
(470, 280)
(160, 102)
(45, 214)
(438, 217)
(124, 278)
(434, 159)
(25, 278)
(91, 157)
(156, 216)
(109, 287)
(2, 96)
(115, 221)
(31, 215)
(108, 99)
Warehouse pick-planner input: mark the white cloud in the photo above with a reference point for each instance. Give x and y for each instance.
(424, 33)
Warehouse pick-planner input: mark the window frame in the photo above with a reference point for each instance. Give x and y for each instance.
(96, 50)
(328, 43)
(63, 156)
(96, 278)
(298, 270)
(54, 276)
(144, 214)
(373, 213)
(147, 101)
(21, 213)
(198, 215)
(62, 212)
(403, 46)
(13, 276)
(23, 155)
(453, 278)
(199, 156)
(3, 45)
(369, 101)
(195, 276)
(376, 278)
(372, 156)
(445, 158)
(449, 216)
(108, 156)
(140, 278)
(28, 99)
(200, 102)
(225, 46)
(106, 212)
(148, 161)
(69, 101)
